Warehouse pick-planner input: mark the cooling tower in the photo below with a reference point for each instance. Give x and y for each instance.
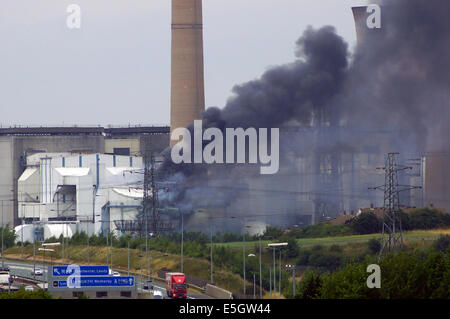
(359, 14)
(187, 83)
(363, 32)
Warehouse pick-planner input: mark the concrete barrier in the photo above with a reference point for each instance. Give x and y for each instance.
(218, 293)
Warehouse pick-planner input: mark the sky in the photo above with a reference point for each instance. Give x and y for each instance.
(115, 69)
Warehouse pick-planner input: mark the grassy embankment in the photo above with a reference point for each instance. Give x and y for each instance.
(200, 267)
(410, 237)
(78, 254)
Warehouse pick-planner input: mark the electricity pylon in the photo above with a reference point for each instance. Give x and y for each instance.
(392, 235)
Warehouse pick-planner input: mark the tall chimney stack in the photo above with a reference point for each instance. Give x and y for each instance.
(187, 101)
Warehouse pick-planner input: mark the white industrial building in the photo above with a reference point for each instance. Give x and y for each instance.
(62, 193)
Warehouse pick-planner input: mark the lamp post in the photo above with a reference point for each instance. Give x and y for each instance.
(243, 250)
(3, 230)
(254, 287)
(292, 267)
(106, 233)
(274, 246)
(21, 242)
(34, 253)
(49, 250)
(182, 239)
(107, 249)
(270, 281)
(279, 286)
(243, 253)
(260, 272)
(211, 255)
(94, 194)
(182, 231)
(67, 246)
(254, 281)
(111, 251)
(88, 247)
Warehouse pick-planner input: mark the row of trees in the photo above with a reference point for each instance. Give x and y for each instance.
(369, 223)
(424, 218)
(23, 294)
(418, 275)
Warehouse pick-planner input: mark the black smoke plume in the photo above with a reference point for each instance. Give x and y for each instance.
(396, 83)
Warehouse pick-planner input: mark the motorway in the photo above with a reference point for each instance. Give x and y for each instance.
(23, 269)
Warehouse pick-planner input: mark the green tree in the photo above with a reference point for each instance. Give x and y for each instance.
(365, 223)
(442, 243)
(310, 286)
(374, 246)
(9, 236)
(292, 248)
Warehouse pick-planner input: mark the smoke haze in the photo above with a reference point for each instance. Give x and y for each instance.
(391, 95)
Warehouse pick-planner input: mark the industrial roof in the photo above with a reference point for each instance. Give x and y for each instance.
(75, 130)
(73, 171)
(27, 173)
(129, 192)
(119, 170)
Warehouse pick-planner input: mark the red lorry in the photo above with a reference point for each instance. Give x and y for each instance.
(176, 285)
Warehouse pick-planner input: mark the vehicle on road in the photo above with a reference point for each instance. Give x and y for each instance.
(148, 285)
(157, 295)
(5, 278)
(37, 272)
(113, 273)
(176, 285)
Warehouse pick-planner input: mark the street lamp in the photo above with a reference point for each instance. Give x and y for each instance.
(21, 242)
(3, 230)
(43, 257)
(107, 240)
(274, 246)
(243, 250)
(212, 282)
(260, 272)
(182, 239)
(270, 282)
(254, 282)
(292, 267)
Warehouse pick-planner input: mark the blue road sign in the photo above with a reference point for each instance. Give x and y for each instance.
(61, 271)
(101, 282)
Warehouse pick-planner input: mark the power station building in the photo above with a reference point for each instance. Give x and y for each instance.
(62, 193)
(17, 144)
